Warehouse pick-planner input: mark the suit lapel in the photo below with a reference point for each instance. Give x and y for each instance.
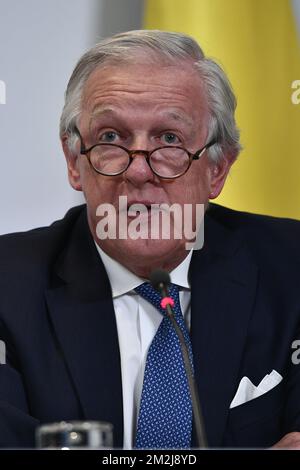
(81, 309)
(223, 286)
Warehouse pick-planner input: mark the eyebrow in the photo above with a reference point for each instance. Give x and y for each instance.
(175, 116)
(100, 111)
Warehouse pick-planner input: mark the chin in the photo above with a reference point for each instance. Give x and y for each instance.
(152, 248)
(142, 256)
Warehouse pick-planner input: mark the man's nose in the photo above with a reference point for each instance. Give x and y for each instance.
(139, 171)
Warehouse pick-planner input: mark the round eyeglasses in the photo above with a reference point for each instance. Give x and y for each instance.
(167, 162)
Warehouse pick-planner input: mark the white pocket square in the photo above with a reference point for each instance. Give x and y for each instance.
(247, 391)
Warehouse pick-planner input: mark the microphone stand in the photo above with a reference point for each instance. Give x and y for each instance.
(197, 413)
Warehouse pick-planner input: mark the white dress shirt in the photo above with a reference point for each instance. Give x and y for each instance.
(137, 322)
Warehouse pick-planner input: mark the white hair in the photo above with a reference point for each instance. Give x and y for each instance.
(166, 46)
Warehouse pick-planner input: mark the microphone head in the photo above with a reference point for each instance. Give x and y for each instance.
(158, 278)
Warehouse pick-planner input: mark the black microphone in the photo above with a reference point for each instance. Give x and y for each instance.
(160, 281)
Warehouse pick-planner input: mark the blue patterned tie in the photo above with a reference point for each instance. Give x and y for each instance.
(165, 417)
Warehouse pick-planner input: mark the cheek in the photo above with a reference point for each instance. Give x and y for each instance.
(195, 188)
(99, 189)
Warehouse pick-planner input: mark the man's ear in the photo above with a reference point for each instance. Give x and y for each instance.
(72, 163)
(219, 172)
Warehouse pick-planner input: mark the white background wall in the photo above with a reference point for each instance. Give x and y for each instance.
(296, 9)
(40, 42)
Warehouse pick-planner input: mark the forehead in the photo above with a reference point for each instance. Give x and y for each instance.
(155, 86)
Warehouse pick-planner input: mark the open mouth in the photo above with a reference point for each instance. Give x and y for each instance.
(139, 208)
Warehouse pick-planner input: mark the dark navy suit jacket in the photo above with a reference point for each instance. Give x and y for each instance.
(58, 325)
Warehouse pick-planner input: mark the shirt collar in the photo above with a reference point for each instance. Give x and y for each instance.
(122, 280)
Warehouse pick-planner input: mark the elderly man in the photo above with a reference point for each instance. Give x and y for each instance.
(149, 118)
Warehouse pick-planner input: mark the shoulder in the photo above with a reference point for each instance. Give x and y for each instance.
(36, 247)
(272, 242)
(255, 228)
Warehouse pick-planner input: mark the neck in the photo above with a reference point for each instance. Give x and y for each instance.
(144, 266)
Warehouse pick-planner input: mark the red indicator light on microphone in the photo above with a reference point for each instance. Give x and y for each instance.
(167, 301)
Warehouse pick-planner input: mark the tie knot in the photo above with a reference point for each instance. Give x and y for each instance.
(148, 292)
